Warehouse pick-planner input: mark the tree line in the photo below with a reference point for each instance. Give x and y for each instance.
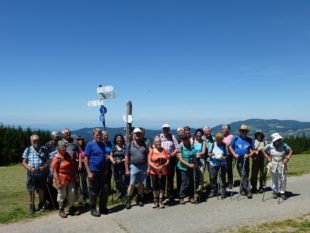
(13, 142)
(299, 144)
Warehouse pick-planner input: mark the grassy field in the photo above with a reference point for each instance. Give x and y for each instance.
(14, 201)
(298, 225)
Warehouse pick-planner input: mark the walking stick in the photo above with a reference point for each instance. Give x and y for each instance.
(233, 167)
(49, 193)
(32, 195)
(242, 177)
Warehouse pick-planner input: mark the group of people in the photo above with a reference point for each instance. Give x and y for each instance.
(83, 171)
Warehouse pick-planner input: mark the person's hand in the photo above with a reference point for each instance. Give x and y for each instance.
(42, 168)
(269, 158)
(285, 161)
(236, 155)
(191, 165)
(246, 156)
(80, 168)
(32, 170)
(90, 175)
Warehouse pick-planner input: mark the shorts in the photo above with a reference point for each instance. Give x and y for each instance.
(138, 174)
(36, 182)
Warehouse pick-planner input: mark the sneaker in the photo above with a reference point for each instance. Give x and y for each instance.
(62, 213)
(104, 211)
(261, 190)
(249, 195)
(95, 212)
(283, 196)
(274, 195)
(182, 202)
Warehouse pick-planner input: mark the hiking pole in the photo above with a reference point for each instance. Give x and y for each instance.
(281, 184)
(49, 193)
(32, 194)
(242, 177)
(218, 183)
(233, 167)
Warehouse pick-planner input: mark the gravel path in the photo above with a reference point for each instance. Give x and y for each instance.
(211, 216)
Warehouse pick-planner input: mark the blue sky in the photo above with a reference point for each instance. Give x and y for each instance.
(182, 62)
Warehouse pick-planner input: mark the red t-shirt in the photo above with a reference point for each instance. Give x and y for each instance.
(158, 158)
(65, 167)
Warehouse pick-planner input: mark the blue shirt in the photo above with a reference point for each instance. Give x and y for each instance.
(96, 154)
(108, 147)
(241, 145)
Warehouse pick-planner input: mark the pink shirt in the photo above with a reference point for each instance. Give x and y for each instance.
(228, 139)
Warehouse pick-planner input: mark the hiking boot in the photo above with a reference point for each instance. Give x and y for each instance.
(140, 201)
(94, 212)
(161, 204)
(193, 200)
(254, 190)
(31, 209)
(182, 202)
(223, 196)
(242, 193)
(249, 195)
(283, 196)
(128, 203)
(73, 211)
(261, 190)
(62, 213)
(104, 211)
(156, 203)
(230, 185)
(274, 195)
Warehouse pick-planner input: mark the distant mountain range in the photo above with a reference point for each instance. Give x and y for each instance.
(284, 127)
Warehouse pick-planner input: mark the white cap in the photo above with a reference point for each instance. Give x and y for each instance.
(165, 126)
(137, 130)
(275, 137)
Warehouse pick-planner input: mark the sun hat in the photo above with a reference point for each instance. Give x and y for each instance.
(276, 136)
(244, 127)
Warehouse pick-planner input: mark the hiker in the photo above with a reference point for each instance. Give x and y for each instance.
(218, 154)
(180, 131)
(108, 148)
(72, 146)
(228, 136)
(117, 158)
(186, 164)
(64, 167)
(170, 144)
(95, 164)
(148, 185)
(200, 150)
(82, 174)
(158, 160)
(187, 130)
(278, 154)
(50, 190)
(136, 166)
(35, 161)
(209, 140)
(241, 148)
(259, 162)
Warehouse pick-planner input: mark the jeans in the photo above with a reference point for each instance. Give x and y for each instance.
(214, 171)
(187, 184)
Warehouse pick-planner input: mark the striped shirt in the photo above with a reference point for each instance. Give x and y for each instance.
(169, 143)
